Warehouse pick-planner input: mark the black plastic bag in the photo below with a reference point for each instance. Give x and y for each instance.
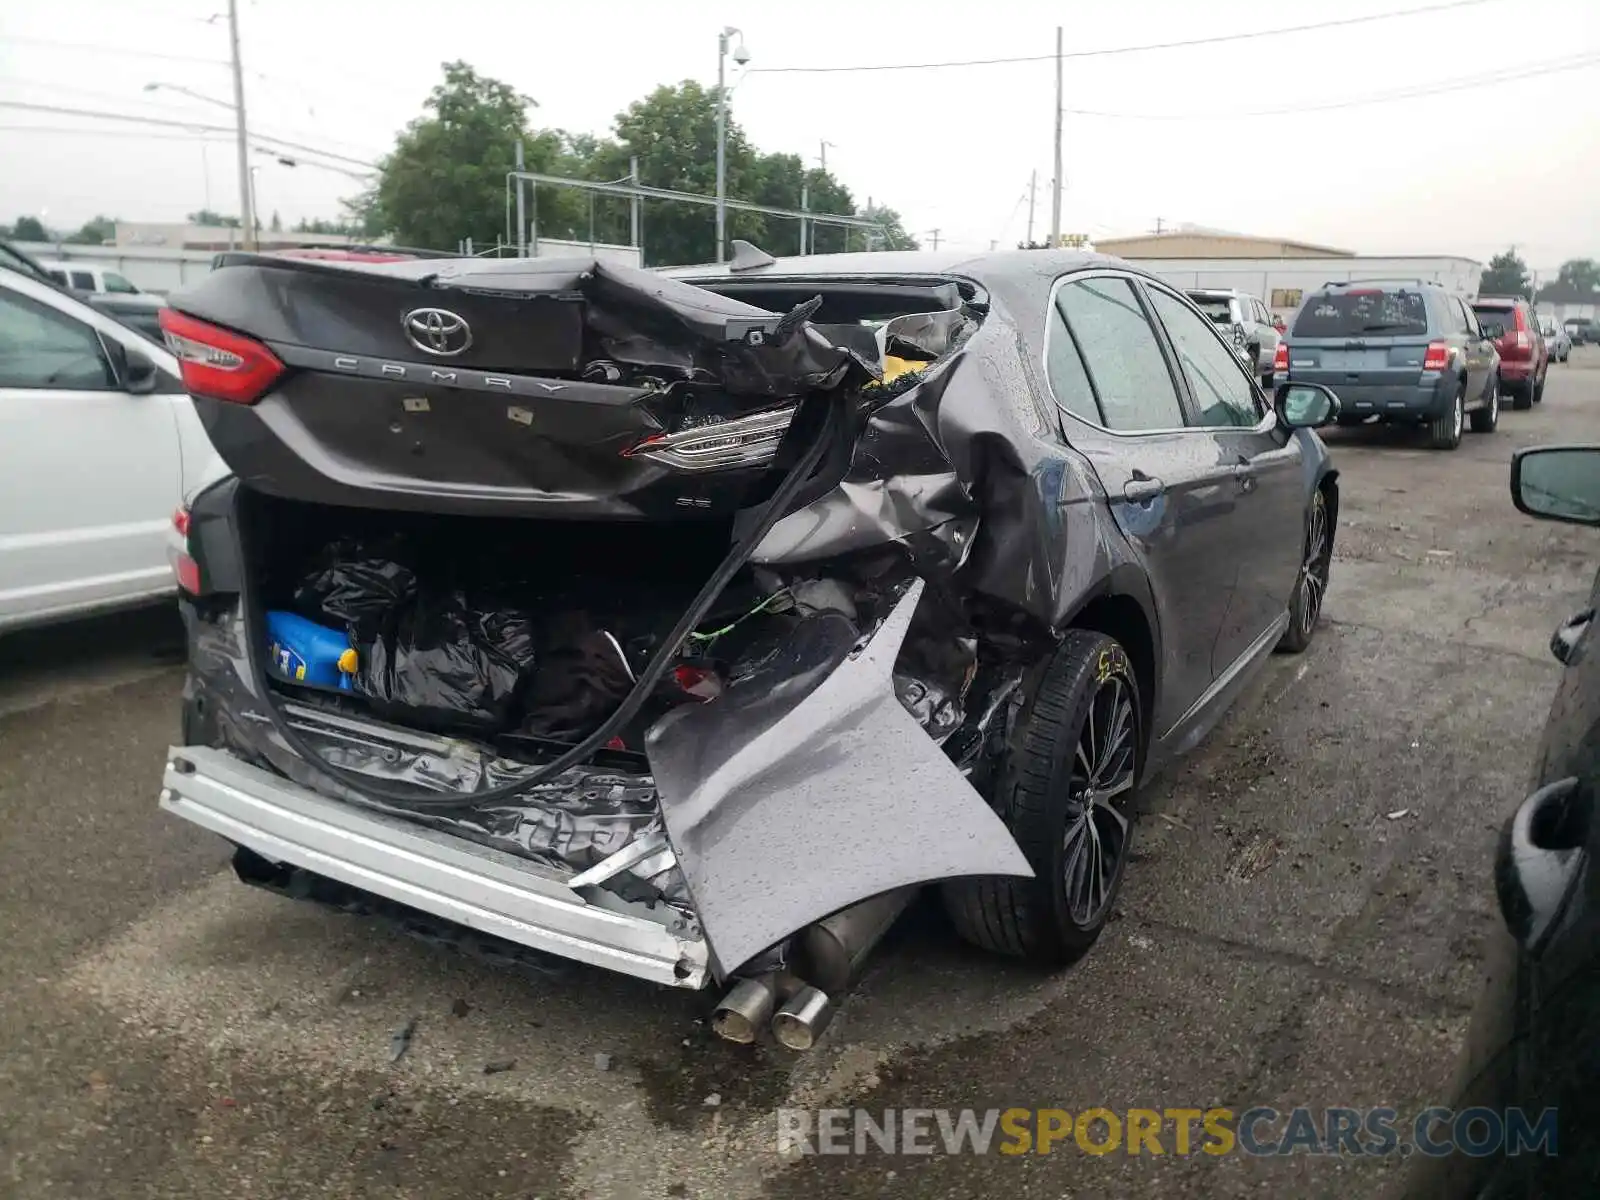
(583, 677)
(358, 586)
(447, 663)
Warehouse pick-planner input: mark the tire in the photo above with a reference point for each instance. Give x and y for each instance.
(1538, 387)
(1039, 795)
(1311, 586)
(1484, 420)
(1444, 431)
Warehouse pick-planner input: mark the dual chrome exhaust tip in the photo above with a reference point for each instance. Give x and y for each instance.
(752, 1005)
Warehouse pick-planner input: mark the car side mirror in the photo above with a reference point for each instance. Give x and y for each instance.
(139, 374)
(1304, 405)
(1493, 331)
(1558, 483)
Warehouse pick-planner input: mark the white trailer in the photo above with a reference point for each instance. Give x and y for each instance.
(1282, 283)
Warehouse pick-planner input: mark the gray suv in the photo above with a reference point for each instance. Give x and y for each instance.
(1401, 351)
(1246, 322)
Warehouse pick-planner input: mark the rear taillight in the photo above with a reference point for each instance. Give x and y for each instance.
(217, 363)
(1522, 339)
(1437, 357)
(741, 442)
(1280, 359)
(184, 567)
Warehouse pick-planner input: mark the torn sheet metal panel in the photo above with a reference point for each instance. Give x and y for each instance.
(808, 787)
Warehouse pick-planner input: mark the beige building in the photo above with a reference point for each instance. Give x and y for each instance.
(179, 236)
(1199, 243)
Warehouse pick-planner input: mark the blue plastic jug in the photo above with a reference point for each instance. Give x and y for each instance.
(302, 651)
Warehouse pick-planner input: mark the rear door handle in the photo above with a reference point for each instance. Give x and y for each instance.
(1142, 489)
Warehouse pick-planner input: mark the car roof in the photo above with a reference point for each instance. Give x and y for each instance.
(865, 264)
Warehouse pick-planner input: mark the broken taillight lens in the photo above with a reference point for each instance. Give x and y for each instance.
(1437, 356)
(184, 568)
(740, 442)
(218, 364)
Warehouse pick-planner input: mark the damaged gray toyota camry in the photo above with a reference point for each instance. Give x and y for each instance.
(687, 623)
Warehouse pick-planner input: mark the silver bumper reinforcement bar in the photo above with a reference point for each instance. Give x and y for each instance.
(476, 886)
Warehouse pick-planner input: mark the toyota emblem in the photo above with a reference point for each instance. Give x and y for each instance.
(437, 331)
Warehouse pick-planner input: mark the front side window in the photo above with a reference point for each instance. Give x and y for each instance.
(1217, 379)
(41, 348)
(116, 283)
(1121, 356)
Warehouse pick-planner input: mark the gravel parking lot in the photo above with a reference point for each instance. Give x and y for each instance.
(1302, 924)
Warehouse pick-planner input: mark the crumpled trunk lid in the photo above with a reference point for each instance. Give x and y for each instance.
(547, 387)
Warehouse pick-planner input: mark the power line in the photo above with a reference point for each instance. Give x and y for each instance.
(1248, 35)
(153, 136)
(1486, 79)
(197, 126)
(119, 51)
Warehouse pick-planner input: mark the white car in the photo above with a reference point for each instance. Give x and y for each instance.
(99, 447)
(88, 277)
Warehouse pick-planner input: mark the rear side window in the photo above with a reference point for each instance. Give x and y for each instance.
(1121, 358)
(1215, 307)
(1362, 311)
(60, 277)
(1487, 314)
(83, 280)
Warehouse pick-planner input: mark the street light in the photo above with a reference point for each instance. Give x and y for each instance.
(740, 57)
(173, 87)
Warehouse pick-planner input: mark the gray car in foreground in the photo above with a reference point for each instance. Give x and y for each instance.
(686, 624)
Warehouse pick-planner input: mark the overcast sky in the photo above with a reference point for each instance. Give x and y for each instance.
(1511, 155)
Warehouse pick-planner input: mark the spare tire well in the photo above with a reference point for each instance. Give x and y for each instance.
(1120, 616)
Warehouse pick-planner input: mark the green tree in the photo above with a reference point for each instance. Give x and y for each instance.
(780, 181)
(29, 229)
(1507, 276)
(445, 180)
(891, 232)
(673, 131)
(95, 233)
(276, 224)
(1581, 273)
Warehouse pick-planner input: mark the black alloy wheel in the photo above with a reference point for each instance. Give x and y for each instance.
(1094, 849)
(1311, 587)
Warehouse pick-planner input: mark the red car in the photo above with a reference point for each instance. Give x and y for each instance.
(1524, 357)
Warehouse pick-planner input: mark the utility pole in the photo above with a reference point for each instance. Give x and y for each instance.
(248, 215)
(1033, 187)
(1055, 196)
(825, 146)
(933, 236)
(740, 56)
(522, 217)
(633, 206)
(1158, 225)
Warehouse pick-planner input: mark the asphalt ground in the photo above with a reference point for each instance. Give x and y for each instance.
(1303, 924)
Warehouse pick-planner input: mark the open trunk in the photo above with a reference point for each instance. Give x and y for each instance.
(525, 600)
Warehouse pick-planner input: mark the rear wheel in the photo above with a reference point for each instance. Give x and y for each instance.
(1538, 388)
(1486, 418)
(1444, 431)
(1064, 793)
(1522, 396)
